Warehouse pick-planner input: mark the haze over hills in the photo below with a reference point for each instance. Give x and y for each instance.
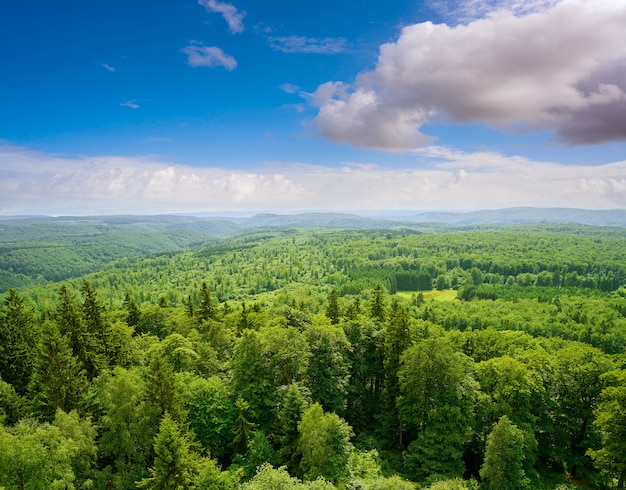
(216, 224)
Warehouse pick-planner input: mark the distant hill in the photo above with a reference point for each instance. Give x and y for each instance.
(510, 216)
(40, 249)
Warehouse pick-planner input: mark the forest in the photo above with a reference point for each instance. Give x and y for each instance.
(486, 357)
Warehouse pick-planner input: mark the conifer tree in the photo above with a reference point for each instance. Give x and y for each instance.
(133, 312)
(176, 465)
(377, 305)
(58, 380)
(17, 338)
(332, 310)
(206, 310)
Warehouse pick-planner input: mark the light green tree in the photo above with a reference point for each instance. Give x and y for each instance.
(36, 457)
(324, 445)
(503, 466)
(611, 421)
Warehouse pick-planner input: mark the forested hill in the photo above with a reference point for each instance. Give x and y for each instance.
(41, 249)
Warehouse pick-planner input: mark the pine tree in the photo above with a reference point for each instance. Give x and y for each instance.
(58, 379)
(176, 465)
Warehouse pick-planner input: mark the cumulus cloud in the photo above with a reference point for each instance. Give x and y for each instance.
(302, 44)
(209, 56)
(442, 178)
(561, 68)
(231, 15)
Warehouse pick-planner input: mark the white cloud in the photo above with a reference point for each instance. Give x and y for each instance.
(108, 67)
(561, 68)
(231, 15)
(442, 178)
(210, 56)
(302, 44)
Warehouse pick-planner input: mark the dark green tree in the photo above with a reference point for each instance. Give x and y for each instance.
(82, 342)
(243, 429)
(206, 310)
(438, 395)
(292, 403)
(161, 387)
(17, 341)
(329, 370)
(58, 380)
(332, 310)
(133, 313)
(397, 340)
(95, 322)
(252, 379)
(377, 304)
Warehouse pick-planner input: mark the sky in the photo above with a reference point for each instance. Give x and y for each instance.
(211, 106)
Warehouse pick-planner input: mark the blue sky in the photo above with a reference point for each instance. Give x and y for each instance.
(209, 105)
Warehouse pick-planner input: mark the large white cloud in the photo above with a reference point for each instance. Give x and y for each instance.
(37, 183)
(561, 68)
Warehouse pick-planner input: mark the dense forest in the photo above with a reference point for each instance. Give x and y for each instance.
(310, 358)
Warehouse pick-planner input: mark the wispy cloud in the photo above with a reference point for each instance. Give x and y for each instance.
(107, 67)
(133, 104)
(561, 69)
(442, 178)
(302, 44)
(209, 56)
(232, 16)
(289, 88)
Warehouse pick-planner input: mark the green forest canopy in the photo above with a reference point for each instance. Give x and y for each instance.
(284, 358)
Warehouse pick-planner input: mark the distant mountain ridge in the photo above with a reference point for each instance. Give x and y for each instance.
(221, 226)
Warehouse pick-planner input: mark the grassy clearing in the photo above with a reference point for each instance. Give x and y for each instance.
(434, 295)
